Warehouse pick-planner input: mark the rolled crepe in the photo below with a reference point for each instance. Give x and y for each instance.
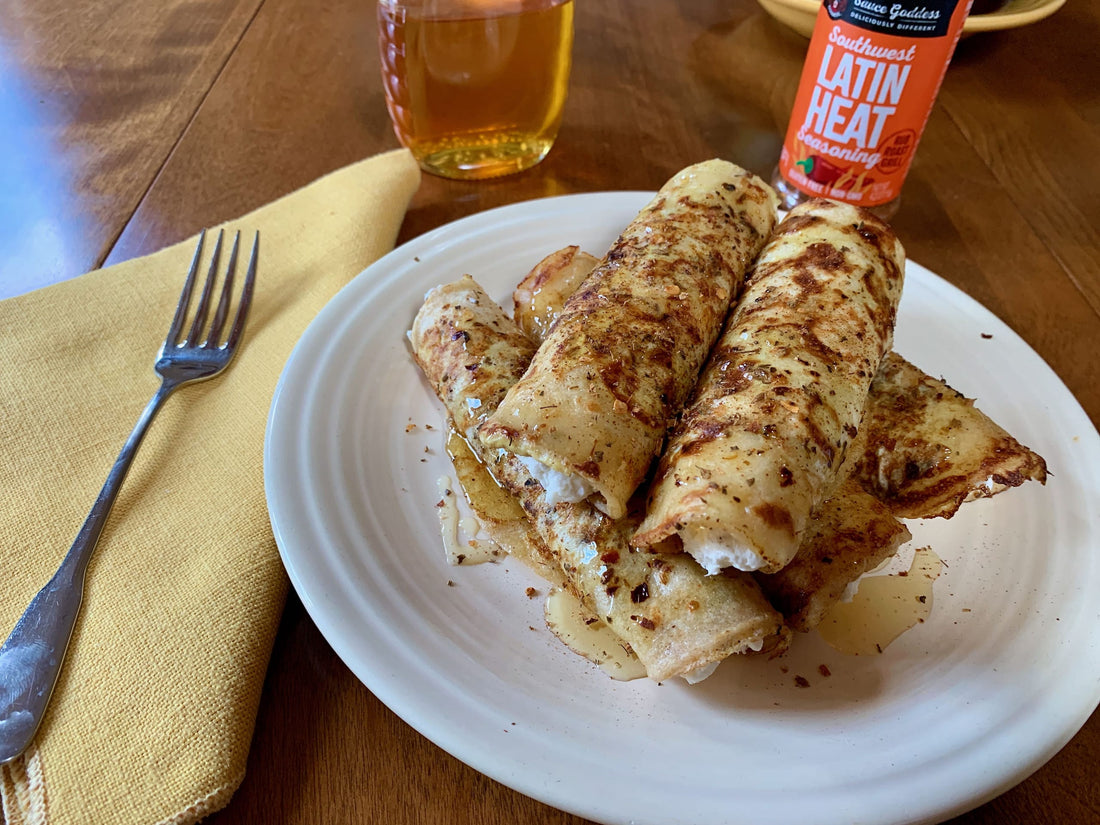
(469, 350)
(782, 395)
(922, 450)
(592, 410)
(676, 619)
(471, 384)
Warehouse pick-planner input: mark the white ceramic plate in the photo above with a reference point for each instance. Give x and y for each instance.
(959, 709)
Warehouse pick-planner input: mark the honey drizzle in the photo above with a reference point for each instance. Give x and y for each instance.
(587, 636)
(883, 608)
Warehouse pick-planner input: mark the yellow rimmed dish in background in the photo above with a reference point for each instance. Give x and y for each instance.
(800, 14)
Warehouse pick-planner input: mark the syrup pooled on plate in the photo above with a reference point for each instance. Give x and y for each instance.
(883, 607)
(498, 514)
(451, 524)
(587, 636)
(495, 510)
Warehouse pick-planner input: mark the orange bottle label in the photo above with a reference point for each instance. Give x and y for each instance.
(872, 73)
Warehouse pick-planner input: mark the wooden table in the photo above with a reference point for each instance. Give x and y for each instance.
(125, 127)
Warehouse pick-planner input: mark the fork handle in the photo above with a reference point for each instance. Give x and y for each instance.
(31, 657)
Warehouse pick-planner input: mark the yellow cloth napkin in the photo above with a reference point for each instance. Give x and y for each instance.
(155, 708)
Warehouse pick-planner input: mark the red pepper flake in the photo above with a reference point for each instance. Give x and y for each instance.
(610, 558)
(531, 592)
(987, 335)
(824, 670)
(801, 681)
(643, 622)
(640, 593)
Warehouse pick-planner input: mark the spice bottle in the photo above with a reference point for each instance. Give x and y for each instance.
(872, 73)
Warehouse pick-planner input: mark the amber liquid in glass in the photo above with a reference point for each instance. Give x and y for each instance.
(476, 88)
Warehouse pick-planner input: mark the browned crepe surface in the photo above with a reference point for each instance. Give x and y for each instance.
(783, 393)
(626, 350)
(674, 617)
(850, 534)
(929, 449)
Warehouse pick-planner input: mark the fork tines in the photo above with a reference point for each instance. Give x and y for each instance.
(221, 313)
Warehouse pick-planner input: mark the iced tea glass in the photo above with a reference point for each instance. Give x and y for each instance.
(476, 88)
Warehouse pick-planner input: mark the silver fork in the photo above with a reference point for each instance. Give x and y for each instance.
(30, 659)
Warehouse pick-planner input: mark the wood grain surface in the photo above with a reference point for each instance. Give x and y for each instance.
(126, 127)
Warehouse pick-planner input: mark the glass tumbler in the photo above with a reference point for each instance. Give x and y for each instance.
(476, 88)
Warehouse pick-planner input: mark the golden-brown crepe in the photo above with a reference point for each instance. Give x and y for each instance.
(851, 533)
(592, 409)
(931, 446)
(783, 393)
(929, 449)
(677, 620)
(470, 380)
(923, 448)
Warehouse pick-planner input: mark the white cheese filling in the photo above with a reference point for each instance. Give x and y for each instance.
(694, 677)
(715, 550)
(849, 592)
(560, 487)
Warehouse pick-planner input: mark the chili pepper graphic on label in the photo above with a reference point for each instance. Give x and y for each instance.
(820, 170)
